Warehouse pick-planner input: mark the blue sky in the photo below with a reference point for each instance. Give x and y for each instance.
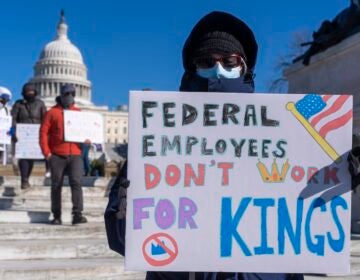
(137, 44)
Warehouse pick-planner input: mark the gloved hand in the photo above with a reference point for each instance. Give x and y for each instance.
(12, 133)
(354, 166)
(124, 184)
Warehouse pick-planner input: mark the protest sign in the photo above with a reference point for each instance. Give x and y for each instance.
(27, 145)
(5, 125)
(81, 126)
(238, 182)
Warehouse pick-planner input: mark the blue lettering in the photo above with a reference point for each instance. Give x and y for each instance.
(286, 225)
(337, 245)
(264, 203)
(318, 247)
(229, 226)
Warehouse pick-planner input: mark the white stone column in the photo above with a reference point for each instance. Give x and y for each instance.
(51, 88)
(41, 89)
(45, 89)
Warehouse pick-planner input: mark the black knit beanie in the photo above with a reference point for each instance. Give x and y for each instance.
(29, 87)
(218, 42)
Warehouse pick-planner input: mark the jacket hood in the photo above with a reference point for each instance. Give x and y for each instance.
(223, 22)
(29, 86)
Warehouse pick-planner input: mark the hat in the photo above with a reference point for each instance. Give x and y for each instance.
(5, 94)
(219, 42)
(220, 29)
(67, 88)
(29, 87)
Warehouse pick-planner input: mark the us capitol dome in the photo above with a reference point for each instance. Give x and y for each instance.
(61, 62)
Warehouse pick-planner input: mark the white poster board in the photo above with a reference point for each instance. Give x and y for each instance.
(27, 145)
(81, 126)
(5, 125)
(238, 182)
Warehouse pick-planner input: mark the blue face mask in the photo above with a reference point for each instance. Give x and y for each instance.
(67, 100)
(218, 71)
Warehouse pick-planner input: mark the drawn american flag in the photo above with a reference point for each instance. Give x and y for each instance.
(325, 113)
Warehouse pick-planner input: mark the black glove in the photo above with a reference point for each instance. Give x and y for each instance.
(354, 166)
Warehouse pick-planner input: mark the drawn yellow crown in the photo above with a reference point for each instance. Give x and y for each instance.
(274, 176)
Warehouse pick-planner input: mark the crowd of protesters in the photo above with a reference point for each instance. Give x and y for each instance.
(61, 157)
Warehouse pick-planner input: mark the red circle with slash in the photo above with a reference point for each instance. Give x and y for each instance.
(156, 239)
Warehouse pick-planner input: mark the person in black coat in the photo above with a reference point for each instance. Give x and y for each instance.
(28, 110)
(218, 56)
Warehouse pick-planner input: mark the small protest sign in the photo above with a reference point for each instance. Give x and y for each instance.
(27, 145)
(81, 126)
(5, 125)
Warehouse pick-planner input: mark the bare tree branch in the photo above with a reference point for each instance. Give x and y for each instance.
(279, 83)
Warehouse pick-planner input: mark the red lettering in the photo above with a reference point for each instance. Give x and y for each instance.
(331, 174)
(172, 176)
(312, 172)
(297, 173)
(225, 166)
(152, 176)
(190, 175)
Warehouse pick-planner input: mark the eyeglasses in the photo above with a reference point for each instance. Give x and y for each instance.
(69, 93)
(229, 61)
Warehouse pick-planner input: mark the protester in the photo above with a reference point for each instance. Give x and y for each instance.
(218, 56)
(5, 97)
(62, 156)
(29, 110)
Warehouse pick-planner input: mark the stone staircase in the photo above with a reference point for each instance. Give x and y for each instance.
(32, 249)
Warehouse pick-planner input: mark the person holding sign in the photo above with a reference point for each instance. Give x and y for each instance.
(218, 56)
(5, 96)
(29, 110)
(62, 156)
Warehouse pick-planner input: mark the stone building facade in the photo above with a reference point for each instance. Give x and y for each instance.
(61, 62)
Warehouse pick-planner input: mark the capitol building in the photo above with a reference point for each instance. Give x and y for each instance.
(61, 62)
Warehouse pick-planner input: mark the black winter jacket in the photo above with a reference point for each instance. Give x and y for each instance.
(115, 221)
(28, 112)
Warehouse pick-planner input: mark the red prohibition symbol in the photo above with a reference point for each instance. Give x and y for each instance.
(155, 238)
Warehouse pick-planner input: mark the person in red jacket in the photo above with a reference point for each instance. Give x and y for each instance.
(62, 156)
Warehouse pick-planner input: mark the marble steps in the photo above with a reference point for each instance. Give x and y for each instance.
(67, 248)
(31, 215)
(14, 181)
(68, 269)
(44, 191)
(31, 231)
(35, 202)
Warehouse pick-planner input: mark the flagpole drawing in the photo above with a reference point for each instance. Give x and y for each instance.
(329, 150)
